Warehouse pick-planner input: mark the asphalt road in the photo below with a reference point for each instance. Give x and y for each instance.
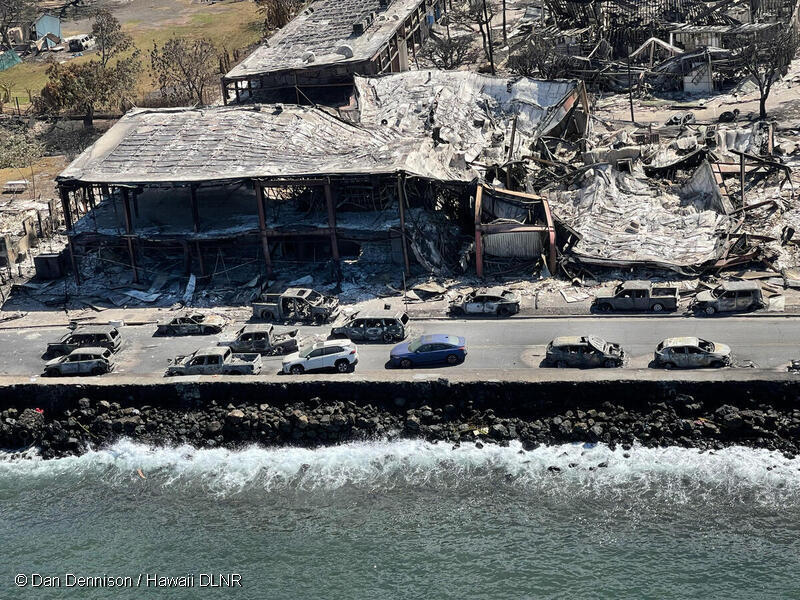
(516, 343)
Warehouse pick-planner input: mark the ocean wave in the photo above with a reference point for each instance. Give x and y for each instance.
(758, 475)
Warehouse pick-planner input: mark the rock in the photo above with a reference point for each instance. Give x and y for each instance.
(103, 406)
(498, 431)
(214, 427)
(235, 416)
(412, 423)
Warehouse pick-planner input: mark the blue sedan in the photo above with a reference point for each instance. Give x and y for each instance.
(429, 350)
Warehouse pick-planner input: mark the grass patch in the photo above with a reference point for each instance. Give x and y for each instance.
(231, 25)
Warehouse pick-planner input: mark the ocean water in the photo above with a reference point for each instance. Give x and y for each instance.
(403, 519)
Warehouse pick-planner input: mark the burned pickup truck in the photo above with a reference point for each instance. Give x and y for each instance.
(215, 361)
(638, 296)
(264, 339)
(297, 304)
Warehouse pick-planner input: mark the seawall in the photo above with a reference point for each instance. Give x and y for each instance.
(697, 409)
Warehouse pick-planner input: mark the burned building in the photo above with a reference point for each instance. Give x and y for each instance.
(392, 180)
(316, 55)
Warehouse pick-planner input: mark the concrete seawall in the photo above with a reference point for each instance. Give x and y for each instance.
(501, 390)
(705, 410)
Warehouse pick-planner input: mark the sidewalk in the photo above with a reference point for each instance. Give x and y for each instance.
(539, 305)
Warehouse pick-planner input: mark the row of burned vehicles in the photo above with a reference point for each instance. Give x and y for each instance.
(673, 353)
(308, 306)
(638, 296)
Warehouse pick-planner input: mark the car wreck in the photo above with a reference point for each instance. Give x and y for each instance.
(583, 353)
(191, 324)
(96, 336)
(638, 296)
(263, 339)
(730, 296)
(215, 361)
(496, 301)
(297, 304)
(82, 361)
(385, 326)
(691, 353)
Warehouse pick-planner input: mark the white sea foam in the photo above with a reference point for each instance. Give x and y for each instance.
(677, 472)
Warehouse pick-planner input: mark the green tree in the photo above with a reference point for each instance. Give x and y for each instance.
(277, 13)
(18, 149)
(184, 69)
(85, 87)
(111, 40)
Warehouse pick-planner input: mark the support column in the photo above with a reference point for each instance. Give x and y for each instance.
(478, 232)
(331, 220)
(64, 193)
(126, 200)
(742, 175)
(195, 209)
(200, 259)
(262, 226)
(401, 201)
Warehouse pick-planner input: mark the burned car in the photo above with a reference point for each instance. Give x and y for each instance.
(297, 304)
(691, 353)
(191, 324)
(730, 296)
(385, 326)
(583, 353)
(83, 361)
(263, 339)
(96, 336)
(486, 301)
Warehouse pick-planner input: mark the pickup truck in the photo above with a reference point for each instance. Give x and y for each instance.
(297, 304)
(638, 296)
(263, 339)
(216, 360)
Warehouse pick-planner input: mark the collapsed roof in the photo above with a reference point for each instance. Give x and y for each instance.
(627, 221)
(475, 115)
(472, 115)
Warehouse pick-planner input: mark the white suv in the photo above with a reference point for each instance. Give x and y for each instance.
(341, 355)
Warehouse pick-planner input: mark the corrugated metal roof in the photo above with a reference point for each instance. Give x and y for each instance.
(397, 113)
(323, 28)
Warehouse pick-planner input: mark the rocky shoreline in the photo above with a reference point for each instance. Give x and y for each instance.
(677, 421)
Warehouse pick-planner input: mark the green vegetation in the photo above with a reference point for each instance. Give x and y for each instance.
(229, 25)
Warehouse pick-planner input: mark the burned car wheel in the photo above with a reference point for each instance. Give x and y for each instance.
(611, 364)
(710, 310)
(388, 337)
(658, 307)
(505, 311)
(668, 366)
(604, 307)
(97, 371)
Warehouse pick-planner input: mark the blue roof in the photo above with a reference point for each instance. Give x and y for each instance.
(8, 59)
